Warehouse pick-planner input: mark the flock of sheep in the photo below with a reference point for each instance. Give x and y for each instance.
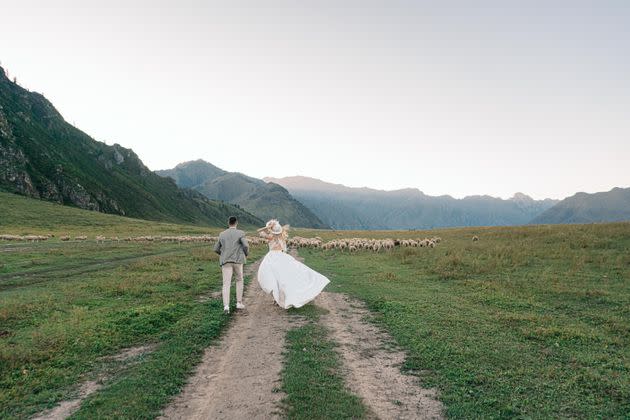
(351, 244)
(363, 244)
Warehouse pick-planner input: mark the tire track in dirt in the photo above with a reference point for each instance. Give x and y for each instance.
(239, 378)
(372, 363)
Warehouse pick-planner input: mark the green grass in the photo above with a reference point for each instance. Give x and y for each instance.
(142, 390)
(527, 322)
(22, 216)
(530, 322)
(57, 325)
(311, 377)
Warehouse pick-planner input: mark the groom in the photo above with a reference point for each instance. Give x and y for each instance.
(232, 248)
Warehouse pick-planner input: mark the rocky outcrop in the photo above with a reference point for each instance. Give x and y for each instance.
(13, 162)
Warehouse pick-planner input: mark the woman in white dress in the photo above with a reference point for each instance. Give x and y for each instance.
(291, 283)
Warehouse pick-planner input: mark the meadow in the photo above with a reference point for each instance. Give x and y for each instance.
(21, 215)
(62, 326)
(67, 310)
(528, 322)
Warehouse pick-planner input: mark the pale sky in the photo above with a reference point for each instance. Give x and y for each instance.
(452, 97)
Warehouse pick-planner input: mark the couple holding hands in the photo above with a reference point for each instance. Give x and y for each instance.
(291, 283)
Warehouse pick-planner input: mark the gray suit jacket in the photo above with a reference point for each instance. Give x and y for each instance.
(232, 246)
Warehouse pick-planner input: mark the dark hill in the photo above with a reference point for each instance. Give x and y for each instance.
(265, 200)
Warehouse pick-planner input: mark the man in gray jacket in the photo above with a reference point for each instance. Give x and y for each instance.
(232, 248)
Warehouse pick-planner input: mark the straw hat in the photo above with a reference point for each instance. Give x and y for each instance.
(276, 229)
(272, 226)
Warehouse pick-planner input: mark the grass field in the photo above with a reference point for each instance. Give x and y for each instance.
(527, 322)
(67, 307)
(25, 216)
(59, 324)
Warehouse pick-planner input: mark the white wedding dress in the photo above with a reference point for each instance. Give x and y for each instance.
(291, 283)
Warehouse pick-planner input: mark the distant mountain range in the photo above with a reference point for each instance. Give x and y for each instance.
(344, 207)
(609, 206)
(42, 156)
(264, 200)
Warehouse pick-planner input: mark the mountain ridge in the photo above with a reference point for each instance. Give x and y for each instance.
(42, 156)
(263, 199)
(345, 207)
(582, 207)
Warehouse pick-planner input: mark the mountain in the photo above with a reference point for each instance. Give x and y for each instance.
(232, 187)
(42, 156)
(193, 173)
(364, 208)
(609, 206)
(265, 200)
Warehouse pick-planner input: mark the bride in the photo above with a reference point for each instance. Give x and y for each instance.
(292, 283)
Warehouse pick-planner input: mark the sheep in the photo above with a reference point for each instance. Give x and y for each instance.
(64, 238)
(80, 238)
(10, 237)
(475, 238)
(34, 238)
(29, 238)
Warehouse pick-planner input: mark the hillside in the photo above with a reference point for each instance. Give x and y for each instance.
(264, 200)
(363, 208)
(609, 206)
(23, 215)
(42, 156)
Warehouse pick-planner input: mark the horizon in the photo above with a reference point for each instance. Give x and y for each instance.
(448, 99)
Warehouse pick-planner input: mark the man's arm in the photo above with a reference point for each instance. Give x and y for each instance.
(217, 247)
(245, 245)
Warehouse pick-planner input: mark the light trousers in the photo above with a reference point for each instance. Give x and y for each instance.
(228, 269)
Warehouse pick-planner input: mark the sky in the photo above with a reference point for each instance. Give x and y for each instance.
(451, 97)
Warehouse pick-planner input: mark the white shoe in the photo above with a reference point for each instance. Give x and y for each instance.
(226, 309)
(240, 306)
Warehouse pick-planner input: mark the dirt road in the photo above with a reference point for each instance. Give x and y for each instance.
(239, 378)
